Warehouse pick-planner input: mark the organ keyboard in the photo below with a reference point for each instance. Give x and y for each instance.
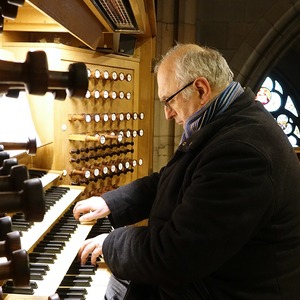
(47, 177)
(52, 247)
(38, 229)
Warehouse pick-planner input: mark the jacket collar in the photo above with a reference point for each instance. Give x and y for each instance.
(206, 132)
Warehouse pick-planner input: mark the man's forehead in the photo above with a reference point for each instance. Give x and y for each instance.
(167, 64)
(166, 78)
(165, 72)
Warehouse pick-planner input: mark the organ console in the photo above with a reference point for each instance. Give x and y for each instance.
(92, 108)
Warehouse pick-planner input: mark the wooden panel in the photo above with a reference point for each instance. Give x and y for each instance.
(75, 16)
(57, 118)
(30, 19)
(65, 127)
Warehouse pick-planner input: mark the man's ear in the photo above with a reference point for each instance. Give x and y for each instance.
(201, 92)
(203, 87)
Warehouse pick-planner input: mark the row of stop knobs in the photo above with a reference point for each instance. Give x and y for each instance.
(113, 167)
(105, 94)
(106, 75)
(101, 171)
(97, 117)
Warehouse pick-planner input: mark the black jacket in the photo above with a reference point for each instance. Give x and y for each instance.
(224, 215)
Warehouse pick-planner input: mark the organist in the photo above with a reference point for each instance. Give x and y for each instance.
(224, 213)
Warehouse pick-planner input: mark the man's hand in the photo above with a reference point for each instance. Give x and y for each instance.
(91, 246)
(91, 209)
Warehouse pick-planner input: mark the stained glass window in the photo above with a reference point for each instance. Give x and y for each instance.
(281, 105)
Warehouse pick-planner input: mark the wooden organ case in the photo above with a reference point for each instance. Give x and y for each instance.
(89, 145)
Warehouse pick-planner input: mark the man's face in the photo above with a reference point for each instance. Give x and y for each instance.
(179, 108)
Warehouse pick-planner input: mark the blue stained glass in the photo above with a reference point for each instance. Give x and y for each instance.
(275, 99)
(278, 87)
(268, 83)
(290, 106)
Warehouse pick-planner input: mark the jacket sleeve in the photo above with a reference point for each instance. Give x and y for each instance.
(225, 199)
(132, 203)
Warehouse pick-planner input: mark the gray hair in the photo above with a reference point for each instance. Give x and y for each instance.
(192, 61)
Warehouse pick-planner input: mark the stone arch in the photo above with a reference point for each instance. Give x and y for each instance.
(269, 40)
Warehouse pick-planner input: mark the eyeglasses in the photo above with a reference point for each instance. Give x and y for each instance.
(165, 102)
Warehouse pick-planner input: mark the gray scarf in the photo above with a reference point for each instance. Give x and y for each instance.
(213, 108)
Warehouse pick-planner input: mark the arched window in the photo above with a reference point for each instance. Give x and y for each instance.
(278, 101)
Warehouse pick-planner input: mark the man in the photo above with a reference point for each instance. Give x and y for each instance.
(224, 213)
